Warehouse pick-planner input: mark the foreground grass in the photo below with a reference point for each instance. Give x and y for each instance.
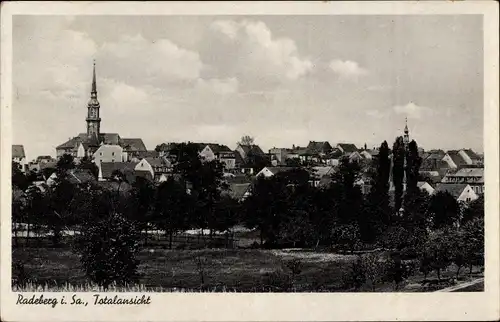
(222, 270)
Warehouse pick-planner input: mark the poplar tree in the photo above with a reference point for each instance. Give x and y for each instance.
(398, 157)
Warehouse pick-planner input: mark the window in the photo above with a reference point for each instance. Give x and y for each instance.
(100, 153)
(112, 154)
(112, 160)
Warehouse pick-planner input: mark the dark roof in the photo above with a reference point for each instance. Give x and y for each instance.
(237, 190)
(144, 174)
(51, 164)
(318, 147)
(217, 148)
(348, 147)
(252, 148)
(455, 189)
(71, 143)
(113, 186)
(107, 168)
(133, 145)
(18, 151)
(238, 159)
(335, 153)
(43, 157)
(147, 154)
(473, 155)
(457, 159)
(276, 170)
(110, 138)
(238, 179)
(155, 162)
(81, 176)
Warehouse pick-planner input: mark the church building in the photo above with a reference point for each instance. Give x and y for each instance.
(86, 144)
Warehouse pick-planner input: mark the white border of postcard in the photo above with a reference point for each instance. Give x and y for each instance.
(266, 307)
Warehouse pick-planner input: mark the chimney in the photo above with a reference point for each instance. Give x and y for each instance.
(293, 146)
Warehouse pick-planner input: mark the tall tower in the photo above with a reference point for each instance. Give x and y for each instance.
(406, 137)
(93, 119)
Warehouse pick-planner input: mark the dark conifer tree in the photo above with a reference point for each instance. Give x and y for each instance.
(398, 158)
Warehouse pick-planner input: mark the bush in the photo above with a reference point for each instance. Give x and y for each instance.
(355, 276)
(108, 250)
(19, 275)
(277, 281)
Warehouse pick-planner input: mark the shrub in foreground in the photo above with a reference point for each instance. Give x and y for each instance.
(108, 250)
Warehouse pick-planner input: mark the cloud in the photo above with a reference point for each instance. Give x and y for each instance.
(138, 59)
(347, 69)
(375, 114)
(227, 27)
(412, 110)
(219, 86)
(259, 55)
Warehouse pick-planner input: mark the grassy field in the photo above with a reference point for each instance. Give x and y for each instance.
(223, 270)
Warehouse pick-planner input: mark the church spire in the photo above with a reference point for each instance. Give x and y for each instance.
(94, 85)
(93, 119)
(406, 125)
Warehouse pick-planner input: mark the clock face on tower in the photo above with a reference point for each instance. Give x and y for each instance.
(93, 113)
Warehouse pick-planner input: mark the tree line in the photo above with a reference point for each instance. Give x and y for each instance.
(285, 209)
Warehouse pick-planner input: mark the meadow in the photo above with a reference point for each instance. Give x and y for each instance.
(215, 270)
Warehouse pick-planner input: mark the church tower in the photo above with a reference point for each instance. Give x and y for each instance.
(93, 119)
(406, 137)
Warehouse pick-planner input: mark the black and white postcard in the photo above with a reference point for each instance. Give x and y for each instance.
(238, 161)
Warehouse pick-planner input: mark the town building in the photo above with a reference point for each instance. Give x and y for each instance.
(471, 176)
(220, 152)
(19, 157)
(86, 144)
(460, 191)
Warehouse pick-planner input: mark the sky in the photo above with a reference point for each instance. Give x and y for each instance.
(285, 80)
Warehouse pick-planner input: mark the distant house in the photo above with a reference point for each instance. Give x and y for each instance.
(472, 176)
(461, 191)
(107, 169)
(223, 153)
(109, 153)
(44, 159)
(320, 148)
(132, 147)
(238, 191)
(138, 156)
(347, 148)
(425, 186)
(366, 155)
(85, 145)
(155, 166)
(333, 158)
(75, 176)
(19, 156)
(318, 173)
(454, 159)
(434, 177)
(271, 171)
(470, 157)
(247, 150)
(280, 154)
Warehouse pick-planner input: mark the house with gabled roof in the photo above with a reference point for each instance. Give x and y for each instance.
(238, 191)
(245, 150)
(472, 176)
(454, 159)
(470, 157)
(19, 156)
(461, 191)
(319, 148)
(271, 171)
(221, 152)
(347, 148)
